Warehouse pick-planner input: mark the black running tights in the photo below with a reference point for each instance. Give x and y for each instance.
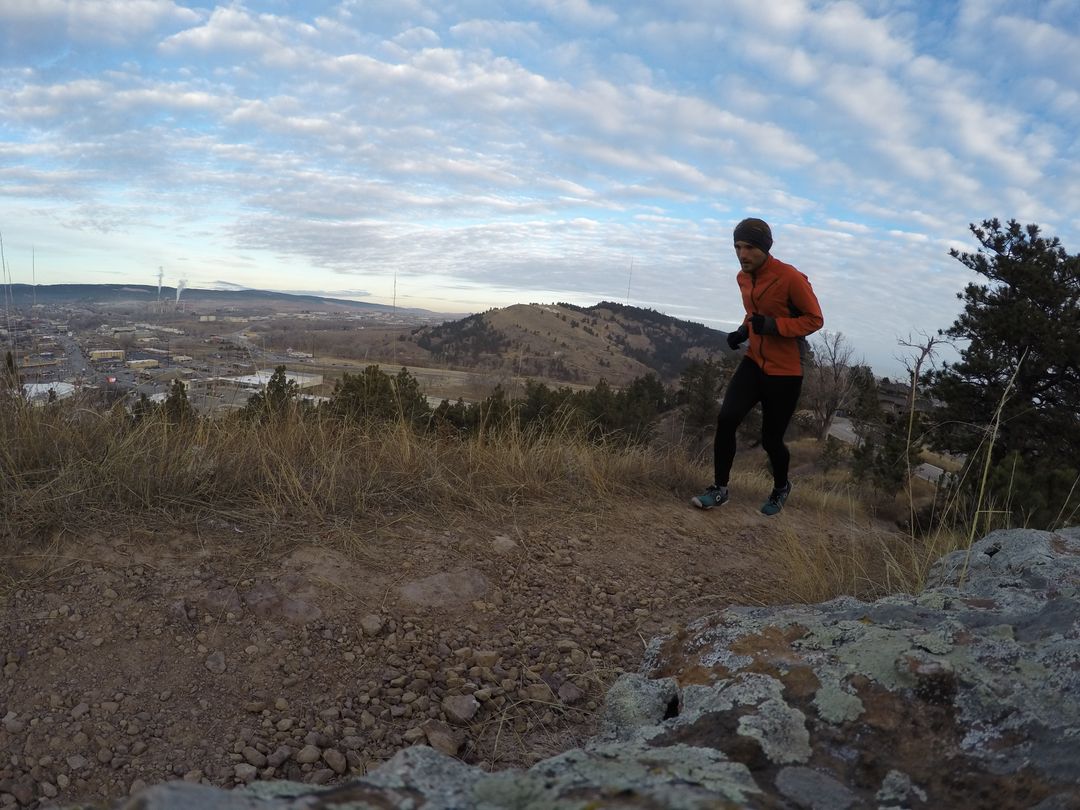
(778, 396)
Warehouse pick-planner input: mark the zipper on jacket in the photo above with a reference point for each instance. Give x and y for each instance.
(753, 300)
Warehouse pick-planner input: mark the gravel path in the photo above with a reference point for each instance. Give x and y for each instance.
(152, 657)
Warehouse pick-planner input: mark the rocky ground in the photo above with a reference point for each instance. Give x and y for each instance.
(225, 658)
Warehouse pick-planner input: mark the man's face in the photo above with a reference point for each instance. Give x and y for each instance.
(750, 257)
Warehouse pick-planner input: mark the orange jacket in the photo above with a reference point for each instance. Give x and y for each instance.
(780, 291)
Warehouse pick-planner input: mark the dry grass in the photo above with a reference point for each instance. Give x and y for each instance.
(68, 471)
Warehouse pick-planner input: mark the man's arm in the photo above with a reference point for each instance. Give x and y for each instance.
(806, 317)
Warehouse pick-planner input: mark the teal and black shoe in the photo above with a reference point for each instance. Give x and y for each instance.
(776, 500)
(713, 496)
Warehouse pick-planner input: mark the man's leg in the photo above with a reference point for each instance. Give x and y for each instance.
(743, 393)
(779, 397)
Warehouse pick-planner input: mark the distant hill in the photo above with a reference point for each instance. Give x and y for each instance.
(114, 294)
(552, 342)
(568, 343)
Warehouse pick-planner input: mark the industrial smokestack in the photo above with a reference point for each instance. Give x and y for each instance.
(180, 285)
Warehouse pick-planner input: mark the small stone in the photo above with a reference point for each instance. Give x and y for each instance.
(216, 662)
(48, 790)
(76, 762)
(460, 709)
(307, 755)
(503, 544)
(245, 773)
(320, 777)
(537, 692)
(442, 738)
(13, 725)
(23, 792)
(79, 711)
(279, 757)
(335, 759)
(372, 624)
(253, 757)
(137, 786)
(570, 694)
(485, 658)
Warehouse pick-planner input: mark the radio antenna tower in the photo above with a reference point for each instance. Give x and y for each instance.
(8, 299)
(628, 279)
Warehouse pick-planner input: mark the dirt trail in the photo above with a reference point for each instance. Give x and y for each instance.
(137, 659)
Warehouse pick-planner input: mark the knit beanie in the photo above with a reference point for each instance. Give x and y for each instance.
(756, 232)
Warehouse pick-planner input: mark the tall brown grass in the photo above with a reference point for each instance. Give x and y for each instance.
(69, 470)
(868, 560)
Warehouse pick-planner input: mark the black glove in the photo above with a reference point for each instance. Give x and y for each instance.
(737, 338)
(763, 325)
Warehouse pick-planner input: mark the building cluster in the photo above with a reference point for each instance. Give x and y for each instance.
(59, 352)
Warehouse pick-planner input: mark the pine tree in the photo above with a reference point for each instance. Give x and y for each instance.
(1021, 352)
(177, 408)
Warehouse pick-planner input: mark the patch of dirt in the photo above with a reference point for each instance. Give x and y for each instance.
(135, 659)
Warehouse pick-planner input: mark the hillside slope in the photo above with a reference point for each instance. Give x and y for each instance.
(572, 344)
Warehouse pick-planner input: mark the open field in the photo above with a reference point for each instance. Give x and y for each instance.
(442, 383)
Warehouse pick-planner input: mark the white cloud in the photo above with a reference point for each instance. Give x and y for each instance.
(499, 33)
(992, 135)
(110, 22)
(232, 29)
(782, 19)
(579, 12)
(847, 228)
(848, 32)
(416, 38)
(873, 100)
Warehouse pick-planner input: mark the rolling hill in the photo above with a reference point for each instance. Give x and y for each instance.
(23, 295)
(568, 343)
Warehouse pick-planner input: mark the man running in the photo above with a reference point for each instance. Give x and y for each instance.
(781, 310)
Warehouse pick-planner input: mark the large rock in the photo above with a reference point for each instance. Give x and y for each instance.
(963, 696)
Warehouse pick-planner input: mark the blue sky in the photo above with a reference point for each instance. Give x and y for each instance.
(478, 154)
